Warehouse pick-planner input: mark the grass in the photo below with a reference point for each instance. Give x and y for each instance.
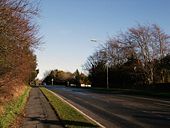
(70, 117)
(13, 109)
(145, 93)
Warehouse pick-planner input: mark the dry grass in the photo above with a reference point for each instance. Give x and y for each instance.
(1, 109)
(14, 108)
(9, 92)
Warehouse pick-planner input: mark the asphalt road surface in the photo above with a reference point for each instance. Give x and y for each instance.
(116, 110)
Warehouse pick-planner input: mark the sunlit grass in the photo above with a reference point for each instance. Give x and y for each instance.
(70, 117)
(13, 108)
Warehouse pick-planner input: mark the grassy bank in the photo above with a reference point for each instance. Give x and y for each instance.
(143, 93)
(13, 108)
(68, 115)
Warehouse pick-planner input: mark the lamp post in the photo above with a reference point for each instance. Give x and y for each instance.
(52, 81)
(107, 66)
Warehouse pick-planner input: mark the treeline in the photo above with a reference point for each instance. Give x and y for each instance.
(135, 58)
(59, 77)
(18, 39)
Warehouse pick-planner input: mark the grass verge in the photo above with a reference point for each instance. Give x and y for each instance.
(133, 92)
(70, 117)
(13, 109)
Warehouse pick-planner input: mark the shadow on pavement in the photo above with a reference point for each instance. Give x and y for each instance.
(64, 122)
(45, 122)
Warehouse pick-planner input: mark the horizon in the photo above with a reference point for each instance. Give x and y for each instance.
(68, 26)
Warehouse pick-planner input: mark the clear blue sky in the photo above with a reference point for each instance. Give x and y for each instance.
(68, 25)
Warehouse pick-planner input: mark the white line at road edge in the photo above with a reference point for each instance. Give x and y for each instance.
(77, 109)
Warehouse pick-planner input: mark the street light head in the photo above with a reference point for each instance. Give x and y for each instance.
(93, 40)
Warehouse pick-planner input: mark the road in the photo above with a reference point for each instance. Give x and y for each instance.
(116, 110)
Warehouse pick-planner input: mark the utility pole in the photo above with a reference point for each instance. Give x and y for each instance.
(107, 63)
(52, 80)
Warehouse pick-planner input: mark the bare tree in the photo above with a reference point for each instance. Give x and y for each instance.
(145, 43)
(18, 39)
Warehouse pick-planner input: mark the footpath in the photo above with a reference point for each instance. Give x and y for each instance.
(39, 113)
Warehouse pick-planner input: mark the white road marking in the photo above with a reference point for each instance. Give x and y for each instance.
(77, 109)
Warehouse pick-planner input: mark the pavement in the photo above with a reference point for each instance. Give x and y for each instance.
(39, 113)
(118, 110)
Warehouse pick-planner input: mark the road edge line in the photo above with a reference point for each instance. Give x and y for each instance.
(77, 109)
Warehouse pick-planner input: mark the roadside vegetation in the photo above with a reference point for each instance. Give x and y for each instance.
(18, 41)
(13, 108)
(70, 117)
(138, 58)
(133, 92)
(65, 78)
